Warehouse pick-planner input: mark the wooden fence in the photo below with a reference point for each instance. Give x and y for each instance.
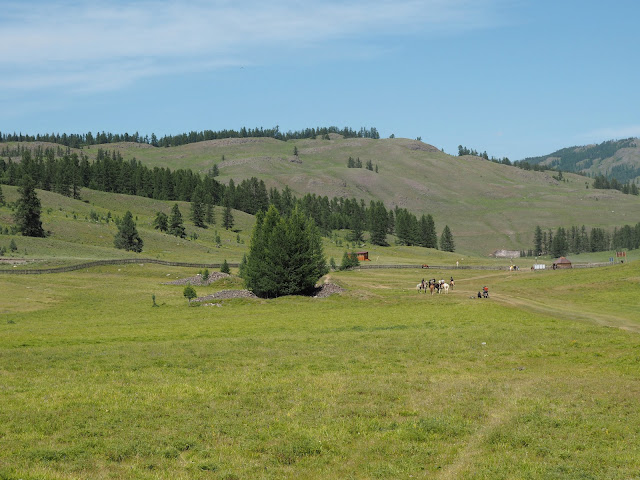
(123, 261)
(126, 261)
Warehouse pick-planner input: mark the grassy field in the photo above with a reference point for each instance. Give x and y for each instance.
(539, 381)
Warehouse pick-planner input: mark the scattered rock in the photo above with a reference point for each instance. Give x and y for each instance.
(226, 294)
(197, 280)
(328, 289)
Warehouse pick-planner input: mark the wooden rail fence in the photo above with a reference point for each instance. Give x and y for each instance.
(126, 261)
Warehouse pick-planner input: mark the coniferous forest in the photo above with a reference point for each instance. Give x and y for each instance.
(65, 172)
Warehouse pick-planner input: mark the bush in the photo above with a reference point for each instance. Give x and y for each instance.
(189, 293)
(349, 260)
(225, 267)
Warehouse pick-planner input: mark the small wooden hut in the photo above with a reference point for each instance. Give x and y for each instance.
(362, 256)
(562, 262)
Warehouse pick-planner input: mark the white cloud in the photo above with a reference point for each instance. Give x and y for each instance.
(71, 44)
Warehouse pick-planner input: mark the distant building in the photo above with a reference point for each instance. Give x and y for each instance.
(562, 262)
(506, 254)
(362, 256)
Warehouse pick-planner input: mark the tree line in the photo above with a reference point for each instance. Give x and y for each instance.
(600, 181)
(110, 172)
(79, 140)
(580, 240)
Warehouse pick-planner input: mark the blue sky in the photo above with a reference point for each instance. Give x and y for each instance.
(516, 78)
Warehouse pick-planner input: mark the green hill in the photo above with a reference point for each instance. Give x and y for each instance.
(488, 206)
(619, 159)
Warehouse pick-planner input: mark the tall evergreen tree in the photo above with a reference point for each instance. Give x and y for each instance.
(1, 196)
(431, 236)
(176, 225)
(559, 244)
(227, 217)
(210, 215)
(198, 209)
(161, 222)
(446, 240)
(378, 223)
(127, 237)
(286, 255)
(28, 209)
(537, 240)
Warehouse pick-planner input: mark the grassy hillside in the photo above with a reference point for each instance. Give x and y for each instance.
(488, 206)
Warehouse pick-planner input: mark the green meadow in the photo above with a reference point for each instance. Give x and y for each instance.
(541, 380)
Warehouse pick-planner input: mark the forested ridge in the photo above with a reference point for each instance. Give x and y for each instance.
(67, 173)
(581, 159)
(79, 140)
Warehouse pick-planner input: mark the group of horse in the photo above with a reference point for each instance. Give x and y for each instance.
(433, 285)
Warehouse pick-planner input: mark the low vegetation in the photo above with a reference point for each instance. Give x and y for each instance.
(378, 382)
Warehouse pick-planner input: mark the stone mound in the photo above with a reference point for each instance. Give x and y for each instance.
(197, 279)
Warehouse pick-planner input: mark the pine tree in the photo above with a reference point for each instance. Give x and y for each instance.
(198, 207)
(357, 227)
(559, 244)
(446, 240)
(378, 222)
(431, 239)
(1, 197)
(210, 215)
(161, 222)
(176, 226)
(227, 217)
(225, 267)
(28, 208)
(537, 240)
(286, 255)
(127, 237)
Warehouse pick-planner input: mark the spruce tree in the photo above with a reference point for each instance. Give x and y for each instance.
(227, 217)
(198, 207)
(176, 226)
(161, 222)
(1, 196)
(210, 215)
(378, 223)
(127, 237)
(28, 208)
(286, 255)
(446, 240)
(537, 240)
(431, 235)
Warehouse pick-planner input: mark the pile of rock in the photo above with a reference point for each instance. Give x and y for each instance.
(198, 281)
(327, 289)
(226, 294)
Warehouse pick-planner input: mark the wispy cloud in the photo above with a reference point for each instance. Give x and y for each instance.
(94, 46)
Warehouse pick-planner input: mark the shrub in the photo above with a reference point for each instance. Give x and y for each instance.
(189, 293)
(225, 267)
(349, 260)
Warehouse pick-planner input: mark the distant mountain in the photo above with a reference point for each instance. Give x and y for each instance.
(619, 159)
